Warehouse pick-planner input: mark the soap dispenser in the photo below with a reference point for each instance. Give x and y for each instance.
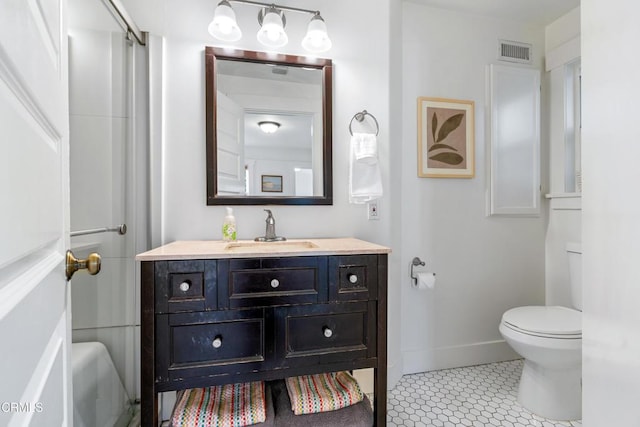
(229, 226)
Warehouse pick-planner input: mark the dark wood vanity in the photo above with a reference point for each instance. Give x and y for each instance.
(217, 313)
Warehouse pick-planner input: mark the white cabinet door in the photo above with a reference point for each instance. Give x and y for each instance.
(34, 218)
(514, 114)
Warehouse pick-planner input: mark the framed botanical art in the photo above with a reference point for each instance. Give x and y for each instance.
(445, 138)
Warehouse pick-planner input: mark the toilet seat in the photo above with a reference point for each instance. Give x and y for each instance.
(545, 321)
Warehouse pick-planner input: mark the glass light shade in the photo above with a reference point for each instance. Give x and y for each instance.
(317, 39)
(269, 127)
(272, 34)
(224, 26)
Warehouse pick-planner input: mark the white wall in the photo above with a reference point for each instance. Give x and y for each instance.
(360, 81)
(611, 213)
(394, 197)
(562, 30)
(384, 58)
(484, 265)
(565, 215)
(360, 35)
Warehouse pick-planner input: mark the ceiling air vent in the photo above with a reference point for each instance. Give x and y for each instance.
(279, 70)
(514, 52)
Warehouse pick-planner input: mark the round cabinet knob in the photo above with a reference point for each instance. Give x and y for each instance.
(327, 332)
(353, 278)
(275, 283)
(217, 342)
(184, 286)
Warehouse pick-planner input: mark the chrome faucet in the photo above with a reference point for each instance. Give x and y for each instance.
(270, 232)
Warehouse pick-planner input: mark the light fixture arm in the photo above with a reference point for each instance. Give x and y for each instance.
(276, 6)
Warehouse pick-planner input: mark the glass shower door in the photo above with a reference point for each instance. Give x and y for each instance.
(106, 72)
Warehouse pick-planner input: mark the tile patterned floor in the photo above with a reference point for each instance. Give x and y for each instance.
(477, 396)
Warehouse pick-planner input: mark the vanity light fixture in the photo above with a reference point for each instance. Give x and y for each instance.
(269, 126)
(272, 22)
(224, 25)
(317, 39)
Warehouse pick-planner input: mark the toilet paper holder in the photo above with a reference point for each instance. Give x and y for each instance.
(414, 263)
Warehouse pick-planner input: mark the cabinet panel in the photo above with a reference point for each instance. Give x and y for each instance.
(271, 281)
(185, 286)
(514, 186)
(209, 342)
(353, 278)
(308, 335)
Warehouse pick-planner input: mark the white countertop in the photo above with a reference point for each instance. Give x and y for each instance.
(215, 249)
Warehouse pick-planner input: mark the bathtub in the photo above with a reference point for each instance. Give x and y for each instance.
(99, 398)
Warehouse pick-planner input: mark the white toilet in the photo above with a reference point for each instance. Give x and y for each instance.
(549, 338)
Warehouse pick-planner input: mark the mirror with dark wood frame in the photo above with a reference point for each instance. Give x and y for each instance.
(268, 128)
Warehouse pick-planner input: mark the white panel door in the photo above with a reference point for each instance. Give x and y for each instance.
(230, 122)
(35, 372)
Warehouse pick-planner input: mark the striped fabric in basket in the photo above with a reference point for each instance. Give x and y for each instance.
(310, 394)
(231, 405)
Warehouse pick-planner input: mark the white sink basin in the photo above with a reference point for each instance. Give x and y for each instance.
(286, 246)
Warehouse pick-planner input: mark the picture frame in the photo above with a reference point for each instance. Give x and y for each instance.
(271, 183)
(445, 138)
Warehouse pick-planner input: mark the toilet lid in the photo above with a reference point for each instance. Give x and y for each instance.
(554, 321)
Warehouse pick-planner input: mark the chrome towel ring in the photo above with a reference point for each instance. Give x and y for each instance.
(360, 118)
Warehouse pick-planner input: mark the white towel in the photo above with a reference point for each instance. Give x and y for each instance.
(365, 180)
(365, 147)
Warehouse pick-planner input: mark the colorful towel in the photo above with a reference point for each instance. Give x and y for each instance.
(231, 405)
(310, 394)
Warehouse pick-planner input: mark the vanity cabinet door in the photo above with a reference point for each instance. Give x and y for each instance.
(325, 333)
(261, 282)
(188, 285)
(353, 278)
(208, 343)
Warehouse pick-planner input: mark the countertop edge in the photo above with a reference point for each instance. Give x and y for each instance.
(180, 250)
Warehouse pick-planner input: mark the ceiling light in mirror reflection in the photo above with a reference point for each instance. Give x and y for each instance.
(269, 126)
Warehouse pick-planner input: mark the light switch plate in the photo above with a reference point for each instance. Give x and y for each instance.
(372, 210)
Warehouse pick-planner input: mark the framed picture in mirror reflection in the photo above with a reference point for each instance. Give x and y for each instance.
(272, 183)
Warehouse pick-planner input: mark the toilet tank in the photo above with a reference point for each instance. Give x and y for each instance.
(574, 252)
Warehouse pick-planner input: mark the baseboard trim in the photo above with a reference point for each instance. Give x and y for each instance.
(457, 356)
(394, 374)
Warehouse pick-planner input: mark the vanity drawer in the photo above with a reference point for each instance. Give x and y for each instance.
(271, 281)
(185, 286)
(325, 333)
(207, 343)
(353, 278)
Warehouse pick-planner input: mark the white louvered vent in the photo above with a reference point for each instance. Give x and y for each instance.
(514, 52)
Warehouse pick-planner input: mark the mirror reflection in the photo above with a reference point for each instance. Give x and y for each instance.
(280, 144)
(270, 139)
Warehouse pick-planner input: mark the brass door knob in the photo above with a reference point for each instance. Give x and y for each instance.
(91, 264)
